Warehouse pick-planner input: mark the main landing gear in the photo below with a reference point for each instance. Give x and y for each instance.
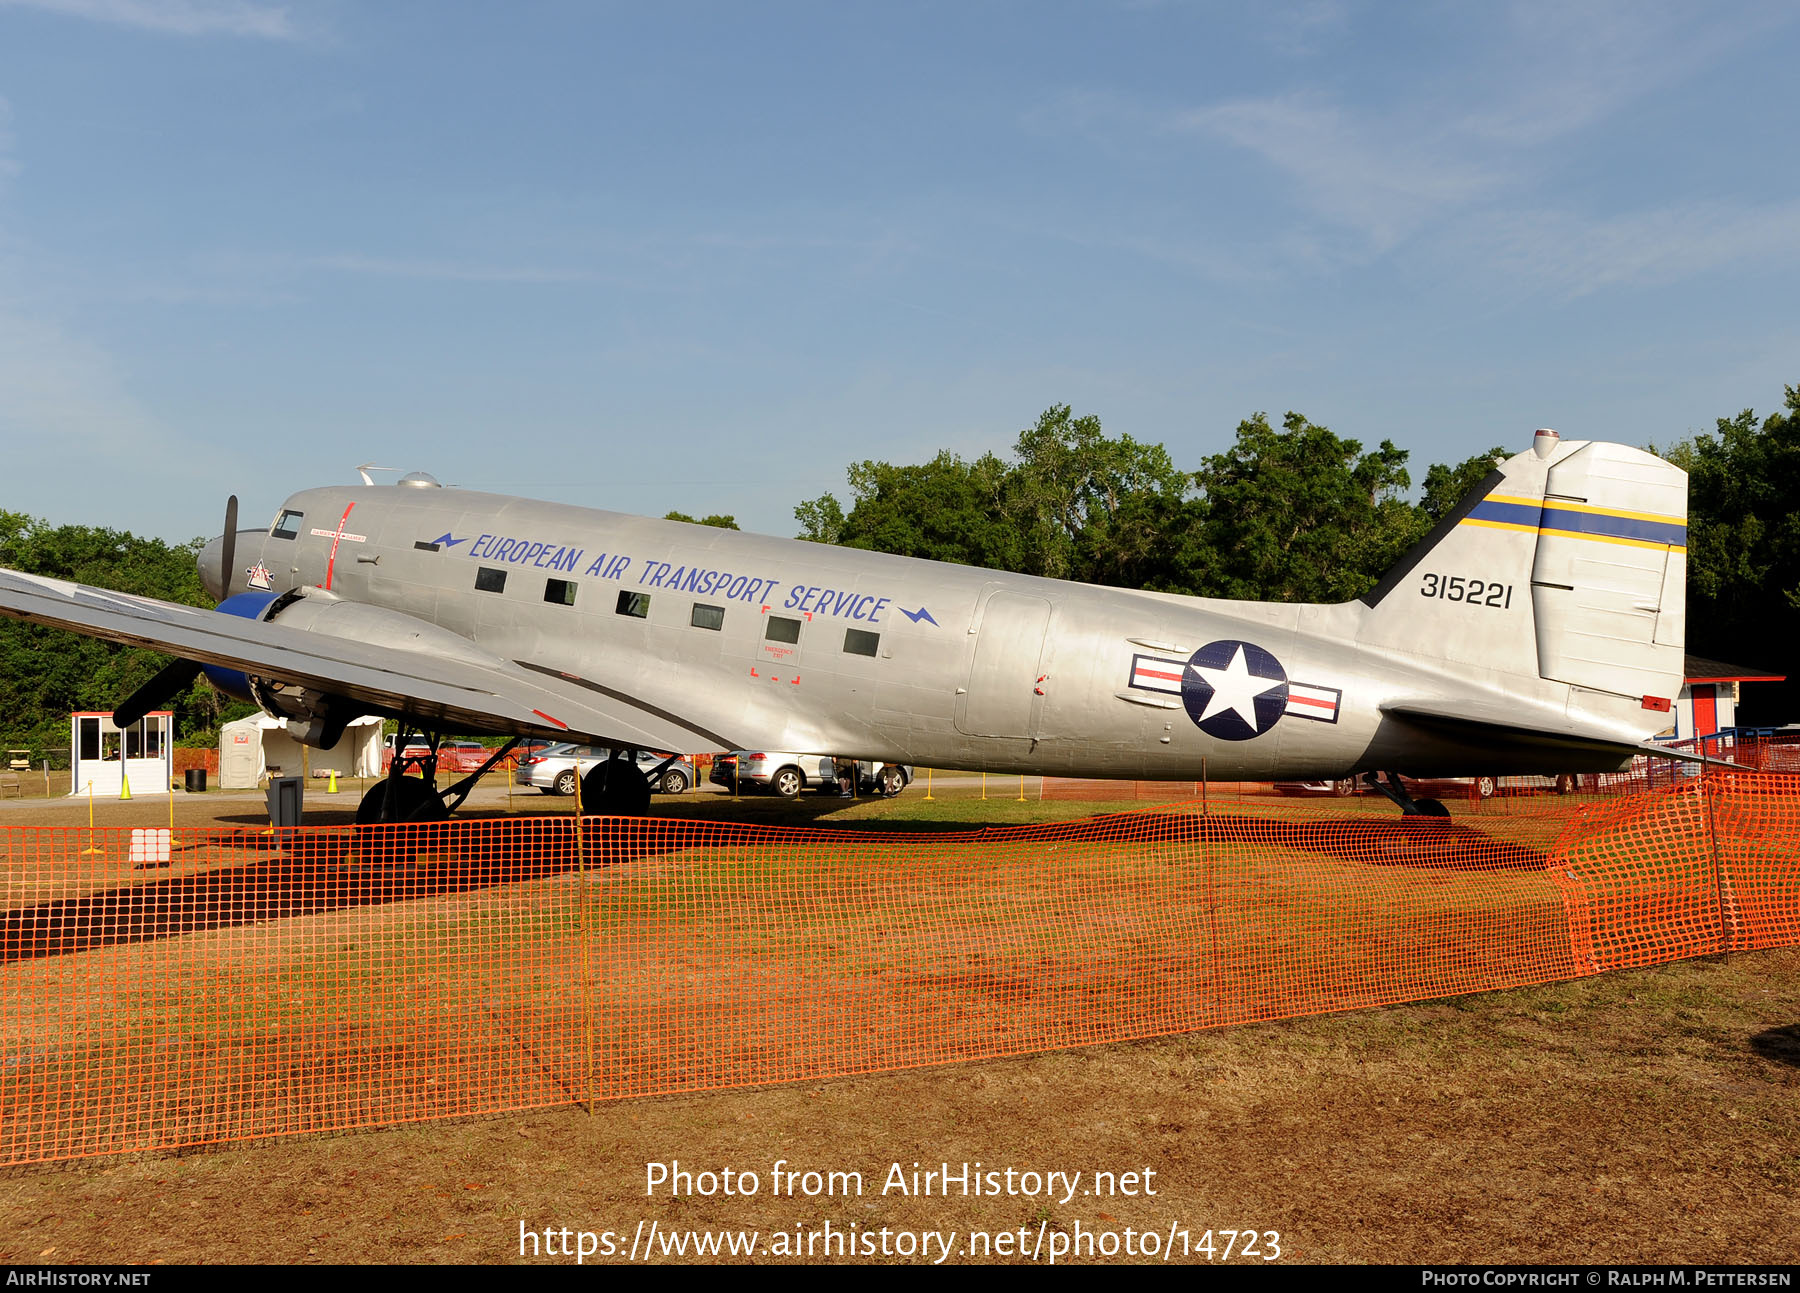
(400, 798)
(1426, 809)
(616, 787)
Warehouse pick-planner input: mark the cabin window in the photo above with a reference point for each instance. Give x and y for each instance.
(782, 629)
(861, 642)
(489, 579)
(636, 605)
(707, 617)
(559, 592)
(287, 525)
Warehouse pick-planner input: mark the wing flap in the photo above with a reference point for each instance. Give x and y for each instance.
(501, 697)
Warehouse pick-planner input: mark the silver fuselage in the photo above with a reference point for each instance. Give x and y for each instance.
(971, 668)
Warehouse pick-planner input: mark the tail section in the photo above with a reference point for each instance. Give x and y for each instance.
(1568, 563)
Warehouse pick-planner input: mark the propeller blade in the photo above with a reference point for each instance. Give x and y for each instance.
(228, 554)
(169, 680)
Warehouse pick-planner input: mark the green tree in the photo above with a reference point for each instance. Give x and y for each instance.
(718, 522)
(821, 519)
(1092, 508)
(46, 673)
(1299, 515)
(945, 510)
(1445, 487)
(1743, 558)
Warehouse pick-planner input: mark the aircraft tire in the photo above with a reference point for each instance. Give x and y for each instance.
(891, 781)
(418, 802)
(381, 840)
(615, 789)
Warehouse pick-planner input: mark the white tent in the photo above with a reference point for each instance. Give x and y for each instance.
(260, 746)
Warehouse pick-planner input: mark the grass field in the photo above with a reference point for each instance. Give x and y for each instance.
(1644, 1116)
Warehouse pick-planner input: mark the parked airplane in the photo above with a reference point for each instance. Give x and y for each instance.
(1538, 628)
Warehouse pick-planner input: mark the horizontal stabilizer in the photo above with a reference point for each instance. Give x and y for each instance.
(1475, 722)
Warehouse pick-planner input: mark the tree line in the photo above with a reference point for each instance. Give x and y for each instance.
(47, 673)
(1296, 513)
(1286, 513)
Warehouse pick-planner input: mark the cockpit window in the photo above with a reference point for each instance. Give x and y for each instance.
(287, 525)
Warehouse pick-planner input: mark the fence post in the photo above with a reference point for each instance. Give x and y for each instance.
(581, 934)
(1725, 897)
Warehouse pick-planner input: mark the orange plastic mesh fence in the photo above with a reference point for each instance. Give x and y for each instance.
(246, 984)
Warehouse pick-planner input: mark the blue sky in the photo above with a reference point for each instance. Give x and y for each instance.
(694, 256)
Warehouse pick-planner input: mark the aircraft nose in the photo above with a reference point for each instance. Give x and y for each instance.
(210, 564)
(219, 582)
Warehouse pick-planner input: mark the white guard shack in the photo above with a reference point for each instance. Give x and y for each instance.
(260, 746)
(100, 753)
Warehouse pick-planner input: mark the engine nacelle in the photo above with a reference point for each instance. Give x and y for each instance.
(250, 606)
(317, 718)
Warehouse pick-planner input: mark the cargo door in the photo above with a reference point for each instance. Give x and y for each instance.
(1001, 697)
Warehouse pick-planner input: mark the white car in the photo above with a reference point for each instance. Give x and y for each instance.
(787, 774)
(552, 769)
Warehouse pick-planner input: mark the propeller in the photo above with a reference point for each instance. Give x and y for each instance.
(179, 675)
(170, 680)
(228, 554)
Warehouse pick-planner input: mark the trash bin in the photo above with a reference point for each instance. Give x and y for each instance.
(285, 803)
(196, 780)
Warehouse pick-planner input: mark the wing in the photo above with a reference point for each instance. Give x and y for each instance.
(464, 690)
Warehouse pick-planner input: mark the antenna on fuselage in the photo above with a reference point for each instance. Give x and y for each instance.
(368, 467)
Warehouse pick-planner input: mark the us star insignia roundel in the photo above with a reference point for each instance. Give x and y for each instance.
(1234, 690)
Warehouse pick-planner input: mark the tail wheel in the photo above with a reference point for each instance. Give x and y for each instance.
(565, 782)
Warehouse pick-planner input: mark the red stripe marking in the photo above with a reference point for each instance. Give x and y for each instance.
(1308, 700)
(1157, 673)
(336, 539)
(541, 714)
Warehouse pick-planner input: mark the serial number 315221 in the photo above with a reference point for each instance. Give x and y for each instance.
(1475, 592)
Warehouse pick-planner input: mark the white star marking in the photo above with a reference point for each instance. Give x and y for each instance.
(1235, 688)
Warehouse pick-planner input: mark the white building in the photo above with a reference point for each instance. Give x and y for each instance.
(102, 758)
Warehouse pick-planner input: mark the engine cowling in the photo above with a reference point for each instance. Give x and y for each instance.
(250, 606)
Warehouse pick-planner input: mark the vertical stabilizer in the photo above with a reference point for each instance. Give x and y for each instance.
(1463, 592)
(1569, 563)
